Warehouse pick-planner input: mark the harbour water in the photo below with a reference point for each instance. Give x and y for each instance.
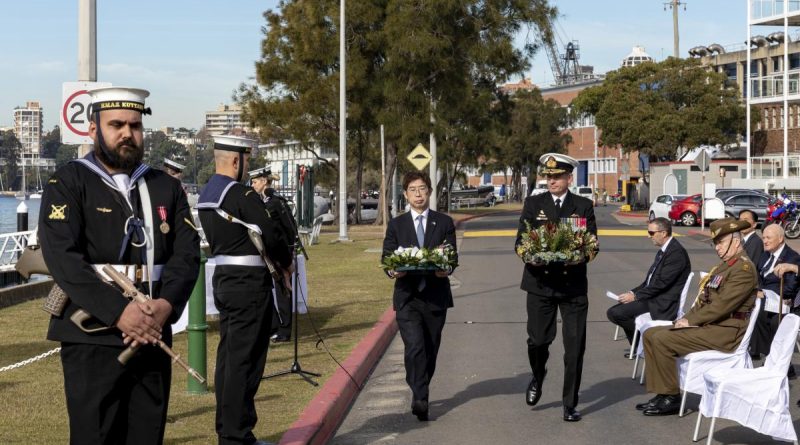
(8, 213)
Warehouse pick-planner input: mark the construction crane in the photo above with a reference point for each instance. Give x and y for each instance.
(566, 66)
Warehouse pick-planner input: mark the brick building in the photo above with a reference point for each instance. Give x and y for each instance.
(615, 171)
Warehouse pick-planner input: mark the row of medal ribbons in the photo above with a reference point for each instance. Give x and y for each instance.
(577, 223)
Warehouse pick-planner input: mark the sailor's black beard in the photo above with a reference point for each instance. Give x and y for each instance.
(125, 156)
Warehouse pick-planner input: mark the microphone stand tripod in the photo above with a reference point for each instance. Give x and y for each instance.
(296, 368)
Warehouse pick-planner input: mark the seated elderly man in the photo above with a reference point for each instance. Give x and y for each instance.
(719, 317)
(776, 252)
(660, 292)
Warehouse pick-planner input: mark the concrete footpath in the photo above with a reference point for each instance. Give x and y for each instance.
(319, 420)
(477, 395)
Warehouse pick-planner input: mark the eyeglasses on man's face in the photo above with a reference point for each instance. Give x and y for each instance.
(421, 189)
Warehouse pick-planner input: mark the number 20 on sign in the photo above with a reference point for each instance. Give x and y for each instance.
(75, 101)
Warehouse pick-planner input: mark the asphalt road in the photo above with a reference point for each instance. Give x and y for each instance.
(477, 392)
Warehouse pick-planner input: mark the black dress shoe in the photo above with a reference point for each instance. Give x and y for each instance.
(668, 405)
(280, 338)
(534, 392)
(791, 374)
(571, 415)
(648, 404)
(419, 408)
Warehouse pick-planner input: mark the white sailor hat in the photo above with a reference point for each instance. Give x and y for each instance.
(119, 98)
(174, 165)
(234, 143)
(265, 172)
(556, 164)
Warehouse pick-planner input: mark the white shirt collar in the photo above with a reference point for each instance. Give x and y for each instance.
(779, 251)
(747, 237)
(666, 243)
(562, 197)
(415, 214)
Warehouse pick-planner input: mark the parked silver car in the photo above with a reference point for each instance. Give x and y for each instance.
(756, 202)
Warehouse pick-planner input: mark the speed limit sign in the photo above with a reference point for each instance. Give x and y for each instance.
(75, 117)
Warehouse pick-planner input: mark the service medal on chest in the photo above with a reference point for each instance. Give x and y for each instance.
(162, 213)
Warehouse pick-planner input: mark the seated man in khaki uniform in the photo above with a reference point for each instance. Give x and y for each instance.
(725, 301)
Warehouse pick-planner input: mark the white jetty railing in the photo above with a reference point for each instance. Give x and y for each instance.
(11, 246)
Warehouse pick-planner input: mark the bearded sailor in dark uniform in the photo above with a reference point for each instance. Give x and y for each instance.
(230, 213)
(109, 208)
(277, 209)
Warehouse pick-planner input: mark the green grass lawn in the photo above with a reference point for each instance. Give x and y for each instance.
(504, 207)
(347, 294)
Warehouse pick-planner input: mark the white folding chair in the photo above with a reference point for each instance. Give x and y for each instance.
(645, 322)
(691, 367)
(616, 333)
(756, 398)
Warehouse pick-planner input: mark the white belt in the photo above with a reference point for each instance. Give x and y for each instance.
(131, 271)
(242, 260)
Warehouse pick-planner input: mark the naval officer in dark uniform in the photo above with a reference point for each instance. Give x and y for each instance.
(556, 287)
(277, 209)
(228, 210)
(109, 208)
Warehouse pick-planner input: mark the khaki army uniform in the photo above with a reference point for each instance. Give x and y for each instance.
(722, 311)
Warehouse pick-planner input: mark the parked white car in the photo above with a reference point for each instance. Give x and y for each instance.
(586, 192)
(660, 207)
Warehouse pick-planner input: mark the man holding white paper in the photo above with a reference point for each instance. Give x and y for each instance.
(776, 252)
(660, 292)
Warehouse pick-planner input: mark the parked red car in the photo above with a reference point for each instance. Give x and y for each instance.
(687, 210)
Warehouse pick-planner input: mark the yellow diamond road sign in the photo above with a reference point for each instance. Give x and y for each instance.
(419, 157)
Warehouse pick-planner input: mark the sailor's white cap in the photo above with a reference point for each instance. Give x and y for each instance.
(265, 172)
(119, 98)
(174, 165)
(234, 143)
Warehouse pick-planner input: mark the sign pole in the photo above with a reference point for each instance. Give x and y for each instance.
(342, 130)
(87, 50)
(434, 166)
(703, 195)
(384, 195)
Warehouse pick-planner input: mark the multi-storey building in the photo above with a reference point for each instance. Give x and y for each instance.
(227, 119)
(767, 71)
(28, 128)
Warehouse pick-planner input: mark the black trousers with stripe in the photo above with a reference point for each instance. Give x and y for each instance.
(542, 313)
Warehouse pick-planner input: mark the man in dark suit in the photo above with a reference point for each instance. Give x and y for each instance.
(420, 299)
(660, 292)
(556, 287)
(752, 242)
(776, 252)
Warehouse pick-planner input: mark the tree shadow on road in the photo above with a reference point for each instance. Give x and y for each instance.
(478, 390)
(595, 398)
(375, 429)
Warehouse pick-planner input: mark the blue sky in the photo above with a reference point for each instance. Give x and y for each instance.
(192, 55)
